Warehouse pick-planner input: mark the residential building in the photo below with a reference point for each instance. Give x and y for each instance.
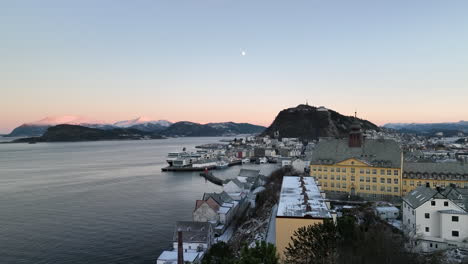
(301, 203)
(196, 236)
(436, 218)
(387, 212)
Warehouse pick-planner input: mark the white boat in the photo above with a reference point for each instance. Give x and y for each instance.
(222, 164)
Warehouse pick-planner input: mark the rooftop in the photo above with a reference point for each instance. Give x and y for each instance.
(301, 197)
(376, 152)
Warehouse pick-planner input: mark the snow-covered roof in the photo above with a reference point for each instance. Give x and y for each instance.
(386, 209)
(299, 199)
(172, 256)
(224, 210)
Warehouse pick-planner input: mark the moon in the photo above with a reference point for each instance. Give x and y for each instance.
(243, 53)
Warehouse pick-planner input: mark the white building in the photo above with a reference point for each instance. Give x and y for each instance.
(387, 212)
(437, 218)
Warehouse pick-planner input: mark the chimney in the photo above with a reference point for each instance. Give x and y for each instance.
(438, 189)
(180, 248)
(428, 185)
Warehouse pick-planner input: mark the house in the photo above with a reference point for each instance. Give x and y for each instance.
(206, 210)
(170, 257)
(387, 212)
(234, 186)
(196, 236)
(300, 165)
(437, 218)
(301, 203)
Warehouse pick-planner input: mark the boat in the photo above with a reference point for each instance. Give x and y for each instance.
(222, 164)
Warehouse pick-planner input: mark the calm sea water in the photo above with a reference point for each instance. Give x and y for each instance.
(95, 202)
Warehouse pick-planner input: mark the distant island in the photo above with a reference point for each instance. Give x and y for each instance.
(75, 133)
(430, 129)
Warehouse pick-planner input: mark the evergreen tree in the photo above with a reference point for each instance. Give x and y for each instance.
(313, 244)
(219, 253)
(262, 253)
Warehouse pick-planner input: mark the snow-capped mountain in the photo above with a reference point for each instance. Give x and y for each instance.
(142, 120)
(37, 128)
(67, 119)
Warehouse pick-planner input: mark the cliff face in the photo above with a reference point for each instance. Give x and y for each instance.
(310, 123)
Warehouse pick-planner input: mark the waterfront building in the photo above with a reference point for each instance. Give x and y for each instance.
(436, 174)
(301, 204)
(436, 218)
(196, 236)
(370, 168)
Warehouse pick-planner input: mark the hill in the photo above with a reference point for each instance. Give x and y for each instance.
(190, 129)
(310, 123)
(73, 133)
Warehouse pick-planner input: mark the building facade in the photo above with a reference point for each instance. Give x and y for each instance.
(371, 168)
(301, 204)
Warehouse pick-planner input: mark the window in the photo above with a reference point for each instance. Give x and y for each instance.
(368, 171)
(382, 172)
(361, 171)
(382, 180)
(389, 180)
(395, 189)
(353, 170)
(395, 172)
(314, 169)
(382, 188)
(343, 178)
(325, 184)
(389, 189)
(411, 183)
(374, 171)
(374, 188)
(320, 177)
(445, 203)
(455, 233)
(325, 169)
(389, 172)
(361, 187)
(368, 187)
(332, 169)
(332, 185)
(352, 178)
(337, 185)
(367, 179)
(395, 181)
(454, 218)
(338, 177)
(374, 179)
(343, 170)
(433, 203)
(427, 230)
(404, 182)
(319, 168)
(427, 215)
(332, 177)
(361, 179)
(337, 169)
(343, 185)
(325, 177)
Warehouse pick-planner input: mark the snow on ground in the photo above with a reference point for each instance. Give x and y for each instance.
(396, 223)
(456, 256)
(258, 189)
(226, 236)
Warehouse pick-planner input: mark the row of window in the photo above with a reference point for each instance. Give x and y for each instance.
(455, 233)
(353, 170)
(361, 179)
(435, 184)
(362, 187)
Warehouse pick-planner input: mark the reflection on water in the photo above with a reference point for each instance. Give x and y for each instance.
(95, 202)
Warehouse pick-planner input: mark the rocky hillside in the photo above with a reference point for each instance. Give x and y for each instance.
(308, 122)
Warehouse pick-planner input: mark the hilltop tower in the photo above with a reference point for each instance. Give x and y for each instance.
(355, 134)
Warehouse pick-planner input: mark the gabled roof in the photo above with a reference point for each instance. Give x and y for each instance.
(238, 183)
(419, 196)
(436, 167)
(218, 199)
(192, 232)
(378, 152)
(422, 194)
(248, 173)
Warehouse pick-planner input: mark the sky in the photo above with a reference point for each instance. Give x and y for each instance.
(242, 61)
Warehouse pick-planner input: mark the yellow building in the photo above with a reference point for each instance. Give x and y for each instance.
(371, 168)
(301, 204)
(440, 174)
